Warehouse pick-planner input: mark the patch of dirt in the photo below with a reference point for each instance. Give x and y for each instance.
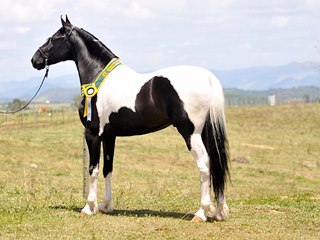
(257, 146)
(309, 164)
(240, 159)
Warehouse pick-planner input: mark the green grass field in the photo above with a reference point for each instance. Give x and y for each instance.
(274, 191)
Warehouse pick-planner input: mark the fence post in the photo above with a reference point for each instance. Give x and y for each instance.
(50, 116)
(85, 160)
(35, 118)
(62, 115)
(21, 120)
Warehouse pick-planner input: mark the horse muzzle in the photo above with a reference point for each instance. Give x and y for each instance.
(38, 62)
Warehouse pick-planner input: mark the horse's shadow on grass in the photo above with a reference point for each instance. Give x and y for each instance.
(151, 213)
(141, 213)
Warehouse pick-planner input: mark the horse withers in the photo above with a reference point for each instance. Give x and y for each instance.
(117, 101)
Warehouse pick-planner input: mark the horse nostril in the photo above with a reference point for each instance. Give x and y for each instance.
(33, 62)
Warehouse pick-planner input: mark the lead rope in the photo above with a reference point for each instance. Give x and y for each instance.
(27, 104)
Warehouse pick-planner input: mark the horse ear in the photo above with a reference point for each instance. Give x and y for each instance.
(67, 20)
(62, 21)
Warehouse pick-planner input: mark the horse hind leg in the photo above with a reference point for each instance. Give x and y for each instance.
(201, 156)
(222, 210)
(207, 209)
(196, 147)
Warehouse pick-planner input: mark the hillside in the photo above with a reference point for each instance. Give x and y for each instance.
(296, 94)
(58, 95)
(264, 78)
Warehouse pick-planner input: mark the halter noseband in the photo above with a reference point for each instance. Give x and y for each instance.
(46, 56)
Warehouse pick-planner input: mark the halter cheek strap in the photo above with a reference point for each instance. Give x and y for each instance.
(88, 91)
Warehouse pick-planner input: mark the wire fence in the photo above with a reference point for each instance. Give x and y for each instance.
(246, 101)
(267, 100)
(32, 118)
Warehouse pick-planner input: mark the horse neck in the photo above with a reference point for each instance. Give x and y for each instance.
(90, 58)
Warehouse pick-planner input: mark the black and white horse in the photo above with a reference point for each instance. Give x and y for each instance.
(127, 103)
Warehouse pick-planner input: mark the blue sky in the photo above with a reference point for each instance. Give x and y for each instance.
(148, 35)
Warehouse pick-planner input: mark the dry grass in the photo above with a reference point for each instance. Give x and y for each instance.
(274, 193)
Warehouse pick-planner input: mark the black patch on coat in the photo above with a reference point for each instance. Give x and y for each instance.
(94, 123)
(157, 106)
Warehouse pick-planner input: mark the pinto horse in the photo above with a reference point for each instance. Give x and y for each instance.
(117, 101)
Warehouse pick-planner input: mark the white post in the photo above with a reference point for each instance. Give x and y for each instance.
(272, 100)
(85, 159)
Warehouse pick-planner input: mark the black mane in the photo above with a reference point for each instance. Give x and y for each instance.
(96, 47)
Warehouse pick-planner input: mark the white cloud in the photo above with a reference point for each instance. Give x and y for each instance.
(6, 45)
(22, 29)
(246, 46)
(186, 43)
(312, 3)
(140, 12)
(280, 21)
(134, 10)
(27, 11)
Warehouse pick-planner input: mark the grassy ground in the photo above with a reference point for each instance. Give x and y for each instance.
(274, 192)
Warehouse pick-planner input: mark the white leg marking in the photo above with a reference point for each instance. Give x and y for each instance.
(222, 210)
(200, 154)
(92, 205)
(106, 204)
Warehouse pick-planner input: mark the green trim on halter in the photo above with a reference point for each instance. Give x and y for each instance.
(91, 89)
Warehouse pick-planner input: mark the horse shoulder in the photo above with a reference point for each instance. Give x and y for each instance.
(119, 91)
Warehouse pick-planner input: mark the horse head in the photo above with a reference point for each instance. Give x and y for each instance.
(56, 49)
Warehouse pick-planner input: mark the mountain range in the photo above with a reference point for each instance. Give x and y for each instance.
(64, 88)
(265, 78)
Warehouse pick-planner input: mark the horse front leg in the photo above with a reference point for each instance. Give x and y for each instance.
(106, 205)
(94, 146)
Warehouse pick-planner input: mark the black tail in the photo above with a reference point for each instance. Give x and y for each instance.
(214, 137)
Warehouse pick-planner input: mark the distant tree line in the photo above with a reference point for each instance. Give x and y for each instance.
(15, 104)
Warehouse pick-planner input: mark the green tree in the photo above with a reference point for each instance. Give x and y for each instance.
(16, 104)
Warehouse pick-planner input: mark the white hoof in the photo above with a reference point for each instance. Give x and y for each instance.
(87, 210)
(221, 214)
(106, 208)
(197, 219)
(199, 216)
